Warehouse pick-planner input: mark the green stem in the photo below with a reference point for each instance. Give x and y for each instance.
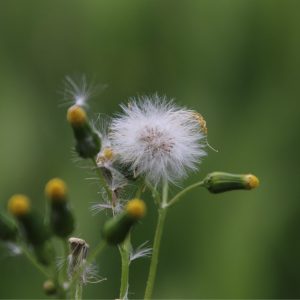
(162, 212)
(181, 193)
(102, 180)
(32, 259)
(155, 253)
(124, 249)
(78, 291)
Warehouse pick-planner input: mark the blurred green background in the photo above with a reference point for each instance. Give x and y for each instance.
(235, 61)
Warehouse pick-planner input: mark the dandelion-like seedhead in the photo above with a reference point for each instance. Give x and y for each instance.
(157, 139)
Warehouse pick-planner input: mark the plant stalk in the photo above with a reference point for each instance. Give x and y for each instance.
(162, 212)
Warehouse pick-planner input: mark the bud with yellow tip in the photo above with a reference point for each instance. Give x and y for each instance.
(35, 231)
(87, 140)
(19, 205)
(116, 229)
(219, 182)
(76, 116)
(61, 216)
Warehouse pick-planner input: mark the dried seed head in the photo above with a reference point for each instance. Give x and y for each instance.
(56, 189)
(77, 258)
(157, 139)
(19, 205)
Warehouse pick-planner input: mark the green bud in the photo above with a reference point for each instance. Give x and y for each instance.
(88, 143)
(219, 182)
(61, 216)
(116, 229)
(61, 219)
(8, 229)
(34, 229)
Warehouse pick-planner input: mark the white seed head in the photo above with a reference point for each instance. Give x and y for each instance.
(157, 139)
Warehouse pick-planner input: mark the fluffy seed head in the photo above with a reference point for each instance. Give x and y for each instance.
(136, 208)
(76, 116)
(56, 189)
(157, 139)
(19, 205)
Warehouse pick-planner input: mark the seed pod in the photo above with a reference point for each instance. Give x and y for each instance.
(219, 182)
(87, 140)
(61, 217)
(8, 229)
(116, 229)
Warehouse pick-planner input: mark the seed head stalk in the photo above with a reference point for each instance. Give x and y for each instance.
(162, 212)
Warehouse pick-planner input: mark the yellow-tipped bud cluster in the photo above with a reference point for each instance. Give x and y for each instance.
(136, 208)
(252, 181)
(76, 116)
(19, 205)
(56, 189)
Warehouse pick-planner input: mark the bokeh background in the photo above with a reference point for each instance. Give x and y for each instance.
(235, 61)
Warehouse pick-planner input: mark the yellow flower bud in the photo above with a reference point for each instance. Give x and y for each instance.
(19, 205)
(136, 208)
(252, 181)
(56, 189)
(76, 116)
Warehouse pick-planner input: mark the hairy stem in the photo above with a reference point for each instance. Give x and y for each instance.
(35, 263)
(102, 180)
(162, 212)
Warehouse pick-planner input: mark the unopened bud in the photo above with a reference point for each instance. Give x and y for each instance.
(19, 205)
(49, 287)
(61, 216)
(219, 182)
(76, 116)
(87, 140)
(56, 189)
(116, 229)
(35, 231)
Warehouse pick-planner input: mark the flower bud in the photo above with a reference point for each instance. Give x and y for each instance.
(32, 226)
(219, 182)
(49, 287)
(87, 140)
(8, 229)
(116, 229)
(61, 217)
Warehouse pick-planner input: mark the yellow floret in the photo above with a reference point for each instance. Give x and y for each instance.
(252, 181)
(108, 153)
(136, 208)
(56, 189)
(76, 115)
(19, 205)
